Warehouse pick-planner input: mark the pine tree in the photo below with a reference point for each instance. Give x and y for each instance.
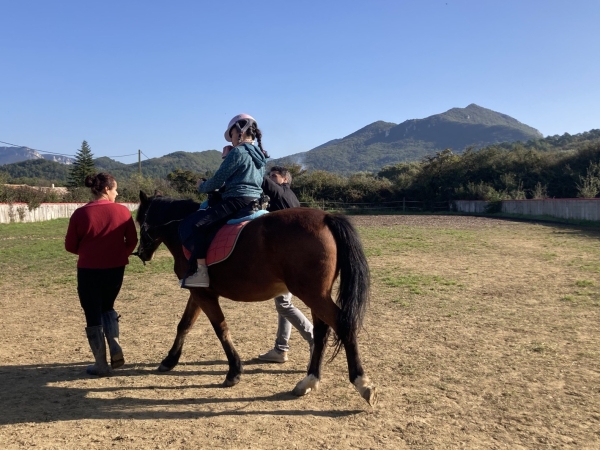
(82, 166)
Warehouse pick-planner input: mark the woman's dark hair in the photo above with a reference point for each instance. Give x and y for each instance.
(98, 182)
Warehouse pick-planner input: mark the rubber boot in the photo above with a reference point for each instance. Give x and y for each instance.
(95, 337)
(110, 323)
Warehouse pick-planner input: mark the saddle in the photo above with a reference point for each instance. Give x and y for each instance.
(223, 240)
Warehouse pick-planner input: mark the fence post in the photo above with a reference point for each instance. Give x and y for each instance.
(403, 204)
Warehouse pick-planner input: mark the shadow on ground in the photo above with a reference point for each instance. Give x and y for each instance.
(36, 393)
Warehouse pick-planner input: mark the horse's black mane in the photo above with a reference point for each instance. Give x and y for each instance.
(165, 209)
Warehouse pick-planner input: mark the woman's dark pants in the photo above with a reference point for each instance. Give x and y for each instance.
(98, 290)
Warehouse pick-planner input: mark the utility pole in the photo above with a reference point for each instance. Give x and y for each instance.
(139, 162)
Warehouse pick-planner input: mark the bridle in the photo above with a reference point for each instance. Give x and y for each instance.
(145, 235)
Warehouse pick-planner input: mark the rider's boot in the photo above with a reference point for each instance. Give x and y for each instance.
(110, 323)
(95, 337)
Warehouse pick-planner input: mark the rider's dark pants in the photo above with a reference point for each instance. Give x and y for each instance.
(195, 230)
(98, 289)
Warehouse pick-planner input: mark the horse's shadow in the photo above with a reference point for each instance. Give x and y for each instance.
(39, 393)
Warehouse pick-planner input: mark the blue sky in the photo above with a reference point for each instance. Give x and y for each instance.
(168, 76)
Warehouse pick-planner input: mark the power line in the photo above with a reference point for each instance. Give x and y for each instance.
(36, 150)
(64, 154)
(8, 143)
(119, 156)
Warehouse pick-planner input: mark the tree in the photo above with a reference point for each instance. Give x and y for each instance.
(590, 184)
(184, 181)
(82, 166)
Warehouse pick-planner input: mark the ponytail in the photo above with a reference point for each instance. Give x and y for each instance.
(257, 134)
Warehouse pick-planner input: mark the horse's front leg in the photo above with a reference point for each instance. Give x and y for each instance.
(217, 319)
(192, 310)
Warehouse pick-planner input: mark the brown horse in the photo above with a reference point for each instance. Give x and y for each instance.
(298, 250)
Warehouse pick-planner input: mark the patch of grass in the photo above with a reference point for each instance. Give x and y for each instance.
(374, 251)
(407, 369)
(401, 302)
(539, 347)
(593, 267)
(417, 284)
(36, 252)
(584, 283)
(550, 219)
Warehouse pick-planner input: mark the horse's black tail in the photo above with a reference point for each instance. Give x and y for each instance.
(353, 294)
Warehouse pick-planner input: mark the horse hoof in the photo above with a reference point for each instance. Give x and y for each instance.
(299, 392)
(163, 368)
(366, 389)
(370, 395)
(232, 382)
(309, 383)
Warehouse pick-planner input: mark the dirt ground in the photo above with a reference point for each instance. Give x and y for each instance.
(481, 334)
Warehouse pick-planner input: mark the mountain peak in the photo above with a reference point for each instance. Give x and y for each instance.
(381, 143)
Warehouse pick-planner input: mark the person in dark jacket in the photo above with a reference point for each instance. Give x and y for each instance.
(277, 186)
(102, 233)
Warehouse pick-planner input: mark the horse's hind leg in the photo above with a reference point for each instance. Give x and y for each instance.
(325, 314)
(192, 310)
(320, 336)
(361, 382)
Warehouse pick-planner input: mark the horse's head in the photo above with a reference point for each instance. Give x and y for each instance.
(149, 240)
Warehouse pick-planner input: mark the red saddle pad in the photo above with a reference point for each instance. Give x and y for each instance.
(223, 244)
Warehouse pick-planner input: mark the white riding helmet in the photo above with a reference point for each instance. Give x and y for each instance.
(234, 122)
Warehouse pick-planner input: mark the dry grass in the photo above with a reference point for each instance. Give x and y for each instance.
(481, 334)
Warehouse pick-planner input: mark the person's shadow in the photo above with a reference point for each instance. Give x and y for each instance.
(39, 393)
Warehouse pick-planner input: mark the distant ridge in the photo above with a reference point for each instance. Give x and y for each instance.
(199, 162)
(9, 155)
(55, 172)
(382, 143)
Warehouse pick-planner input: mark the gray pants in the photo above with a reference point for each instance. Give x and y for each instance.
(290, 315)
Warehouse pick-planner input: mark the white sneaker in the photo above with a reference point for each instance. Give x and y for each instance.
(198, 279)
(274, 355)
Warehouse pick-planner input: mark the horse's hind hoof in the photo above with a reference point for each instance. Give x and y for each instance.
(370, 395)
(366, 389)
(163, 368)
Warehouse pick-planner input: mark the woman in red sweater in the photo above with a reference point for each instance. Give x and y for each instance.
(103, 235)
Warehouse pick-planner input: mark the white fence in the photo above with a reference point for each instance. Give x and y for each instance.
(564, 208)
(19, 212)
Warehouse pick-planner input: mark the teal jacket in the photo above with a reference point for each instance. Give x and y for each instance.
(241, 172)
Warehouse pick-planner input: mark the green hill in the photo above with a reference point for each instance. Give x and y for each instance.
(200, 162)
(383, 143)
(36, 172)
(44, 172)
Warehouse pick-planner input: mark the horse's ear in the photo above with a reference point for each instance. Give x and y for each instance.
(157, 193)
(143, 197)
